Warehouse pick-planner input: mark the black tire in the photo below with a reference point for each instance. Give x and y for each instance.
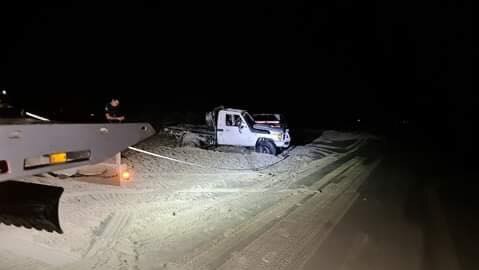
(266, 147)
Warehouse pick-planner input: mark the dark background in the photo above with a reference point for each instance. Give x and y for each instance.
(323, 64)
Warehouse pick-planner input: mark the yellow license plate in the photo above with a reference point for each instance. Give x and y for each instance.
(58, 158)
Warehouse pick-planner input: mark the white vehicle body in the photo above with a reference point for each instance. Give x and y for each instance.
(237, 127)
(234, 127)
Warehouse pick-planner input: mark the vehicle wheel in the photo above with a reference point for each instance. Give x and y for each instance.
(266, 147)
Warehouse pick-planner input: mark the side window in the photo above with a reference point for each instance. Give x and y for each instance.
(229, 120)
(237, 120)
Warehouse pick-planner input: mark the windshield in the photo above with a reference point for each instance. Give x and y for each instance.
(249, 120)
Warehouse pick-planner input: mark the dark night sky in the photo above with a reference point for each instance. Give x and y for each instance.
(378, 59)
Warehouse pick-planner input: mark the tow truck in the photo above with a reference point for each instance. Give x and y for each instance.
(29, 147)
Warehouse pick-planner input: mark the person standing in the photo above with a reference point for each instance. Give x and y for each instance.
(113, 111)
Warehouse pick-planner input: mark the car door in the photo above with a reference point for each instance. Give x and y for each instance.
(233, 130)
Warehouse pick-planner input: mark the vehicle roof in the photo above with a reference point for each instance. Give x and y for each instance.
(234, 110)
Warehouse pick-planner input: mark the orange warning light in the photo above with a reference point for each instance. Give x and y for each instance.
(125, 175)
(58, 158)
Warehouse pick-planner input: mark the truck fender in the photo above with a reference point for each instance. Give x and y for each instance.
(264, 139)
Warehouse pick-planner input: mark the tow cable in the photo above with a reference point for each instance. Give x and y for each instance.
(177, 160)
(202, 166)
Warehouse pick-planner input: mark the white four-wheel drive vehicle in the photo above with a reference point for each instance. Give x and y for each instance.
(235, 127)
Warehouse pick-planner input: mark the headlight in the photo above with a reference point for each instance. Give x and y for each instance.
(279, 136)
